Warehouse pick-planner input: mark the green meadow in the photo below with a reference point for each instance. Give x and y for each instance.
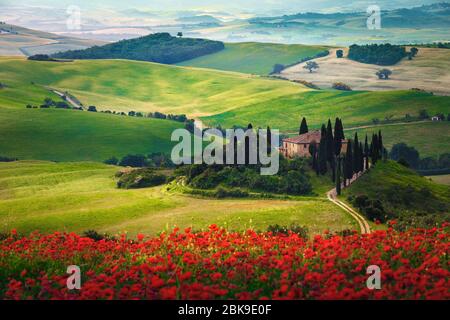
(48, 197)
(354, 107)
(217, 97)
(253, 57)
(141, 86)
(72, 135)
(431, 139)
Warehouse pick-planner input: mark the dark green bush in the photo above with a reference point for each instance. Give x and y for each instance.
(141, 178)
(230, 193)
(94, 235)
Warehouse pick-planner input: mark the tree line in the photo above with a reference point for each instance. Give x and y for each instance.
(380, 54)
(158, 47)
(343, 158)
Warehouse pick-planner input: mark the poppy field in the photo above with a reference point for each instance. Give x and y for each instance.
(218, 264)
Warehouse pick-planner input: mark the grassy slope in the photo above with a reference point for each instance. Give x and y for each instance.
(140, 86)
(78, 196)
(254, 58)
(69, 135)
(354, 108)
(234, 99)
(429, 138)
(386, 177)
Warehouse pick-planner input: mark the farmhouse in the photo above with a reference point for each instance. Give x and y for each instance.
(299, 146)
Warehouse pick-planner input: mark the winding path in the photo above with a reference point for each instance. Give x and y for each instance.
(67, 97)
(362, 222)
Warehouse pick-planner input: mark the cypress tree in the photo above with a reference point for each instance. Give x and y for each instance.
(375, 149)
(323, 151)
(361, 157)
(366, 153)
(330, 143)
(313, 153)
(303, 127)
(349, 161)
(344, 170)
(356, 154)
(337, 137)
(269, 140)
(338, 176)
(247, 146)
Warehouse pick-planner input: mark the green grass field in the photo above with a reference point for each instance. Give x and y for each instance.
(76, 197)
(355, 108)
(254, 58)
(71, 135)
(401, 190)
(140, 86)
(223, 98)
(414, 134)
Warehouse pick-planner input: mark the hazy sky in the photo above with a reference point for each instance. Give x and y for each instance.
(236, 6)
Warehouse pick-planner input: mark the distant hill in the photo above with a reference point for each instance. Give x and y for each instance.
(19, 41)
(158, 47)
(202, 19)
(435, 15)
(425, 24)
(255, 57)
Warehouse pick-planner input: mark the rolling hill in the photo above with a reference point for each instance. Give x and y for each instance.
(253, 57)
(77, 197)
(429, 70)
(71, 135)
(403, 194)
(355, 107)
(219, 98)
(415, 134)
(124, 85)
(19, 41)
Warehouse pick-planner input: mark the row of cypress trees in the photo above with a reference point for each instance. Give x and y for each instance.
(328, 155)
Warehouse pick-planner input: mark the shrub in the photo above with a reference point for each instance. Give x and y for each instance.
(62, 105)
(341, 86)
(423, 114)
(112, 161)
(340, 53)
(94, 235)
(6, 159)
(41, 57)
(230, 193)
(141, 178)
(133, 160)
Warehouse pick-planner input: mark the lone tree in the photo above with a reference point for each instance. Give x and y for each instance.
(311, 65)
(340, 53)
(383, 74)
(277, 68)
(303, 127)
(414, 51)
(180, 34)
